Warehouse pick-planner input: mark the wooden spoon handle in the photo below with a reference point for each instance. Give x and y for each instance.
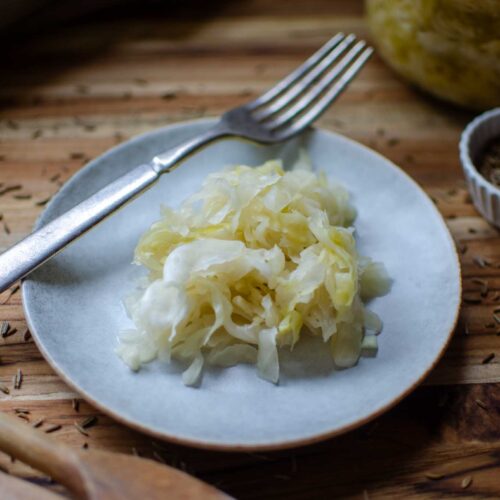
(34, 448)
(14, 488)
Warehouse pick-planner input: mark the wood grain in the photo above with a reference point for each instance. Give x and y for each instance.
(69, 95)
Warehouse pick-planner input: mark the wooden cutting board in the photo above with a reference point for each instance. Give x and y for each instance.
(69, 95)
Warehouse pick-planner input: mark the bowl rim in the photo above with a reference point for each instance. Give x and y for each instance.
(466, 138)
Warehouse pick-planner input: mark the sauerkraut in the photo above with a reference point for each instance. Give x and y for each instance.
(256, 259)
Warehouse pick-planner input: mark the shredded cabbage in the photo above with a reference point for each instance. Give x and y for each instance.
(254, 260)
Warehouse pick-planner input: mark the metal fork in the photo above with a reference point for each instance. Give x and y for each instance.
(282, 112)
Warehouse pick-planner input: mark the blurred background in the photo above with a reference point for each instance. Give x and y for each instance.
(450, 48)
(24, 17)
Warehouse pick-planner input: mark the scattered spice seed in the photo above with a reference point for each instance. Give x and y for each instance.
(393, 141)
(4, 328)
(88, 422)
(462, 249)
(12, 124)
(483, 284)
(168, 96)
(466, 482)
(22, 196)
(434, 475)
(22, 410)
(155, 444)
(479, 261)
(89, 127)
(6, 228)
(18, 379)
(55, 177)
(472, 300)
(85, 446)
(158, 457)
(77, 155)
(4, 389)
(481, 404)
(38, 423)
(8, 189)
(10, 332)
(43, 202)
(488, 358)
(80, 429)
(140, 81)
(245, 93)
(75, 404)
(23, 416)
(52, 428)
(36, 134)
(26, 335)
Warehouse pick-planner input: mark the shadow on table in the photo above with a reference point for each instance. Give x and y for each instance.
(85, 30)
(386, 458)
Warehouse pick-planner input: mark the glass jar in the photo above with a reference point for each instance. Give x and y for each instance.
(451, 48)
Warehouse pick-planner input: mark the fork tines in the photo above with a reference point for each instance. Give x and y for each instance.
(303, 95)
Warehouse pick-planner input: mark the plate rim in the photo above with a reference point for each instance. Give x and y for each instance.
(212, 445)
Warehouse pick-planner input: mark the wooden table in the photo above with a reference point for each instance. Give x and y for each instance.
(69, 95)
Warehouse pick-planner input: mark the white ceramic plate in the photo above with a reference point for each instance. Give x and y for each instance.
(73, 304)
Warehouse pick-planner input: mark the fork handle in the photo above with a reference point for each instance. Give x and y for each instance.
(41, 245)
